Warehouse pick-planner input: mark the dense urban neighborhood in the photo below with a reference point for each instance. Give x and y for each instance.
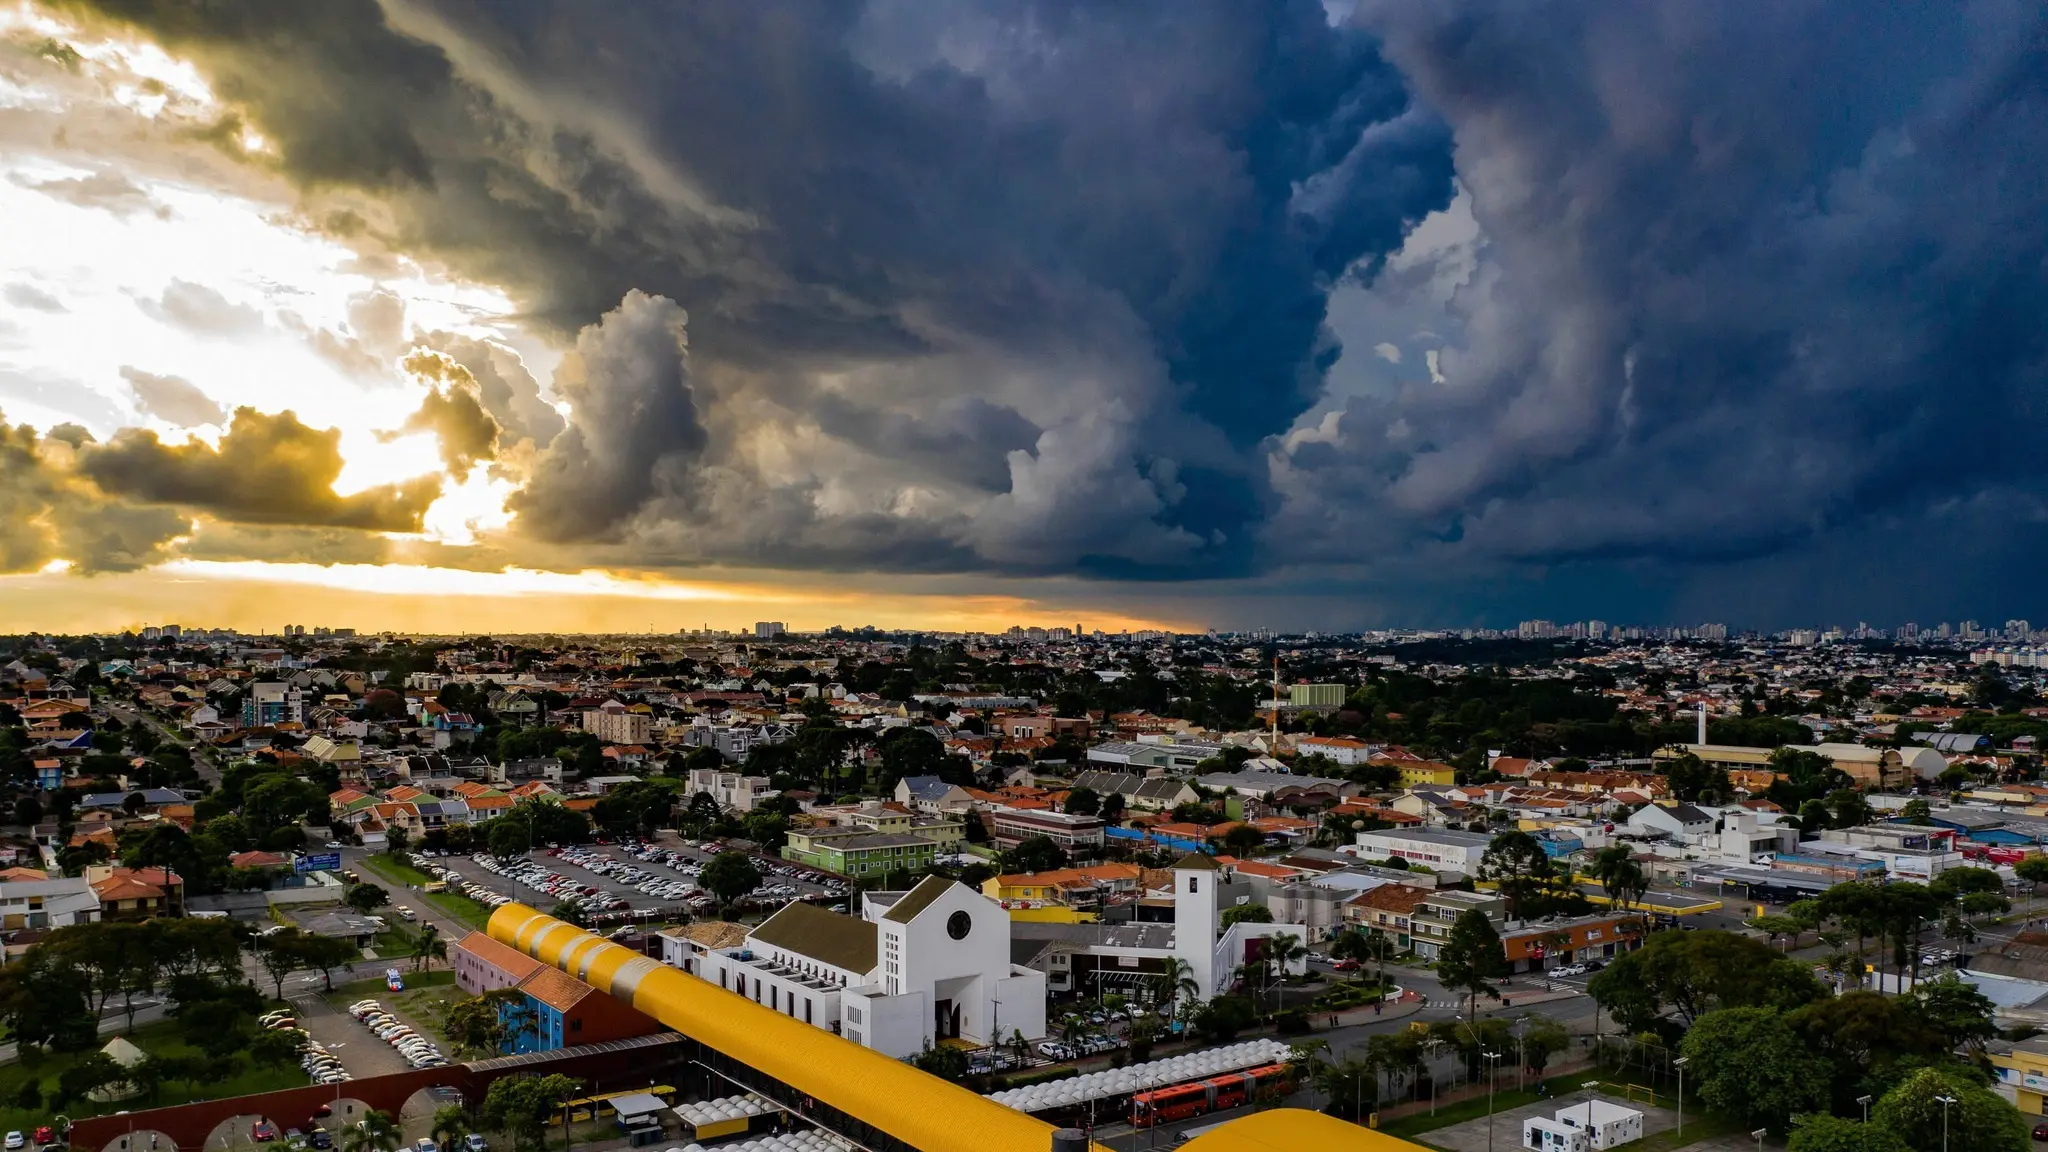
(1414, 880)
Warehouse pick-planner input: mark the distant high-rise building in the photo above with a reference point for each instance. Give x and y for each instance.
(152, 632)
(1802, 638)
(2017, 630)
(173, 632)
(763, 629)
(1535, 630)
(1713, 631)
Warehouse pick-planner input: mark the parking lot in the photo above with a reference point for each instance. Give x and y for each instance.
(619, 883)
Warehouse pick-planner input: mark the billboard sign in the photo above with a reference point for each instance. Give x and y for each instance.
(324, 862)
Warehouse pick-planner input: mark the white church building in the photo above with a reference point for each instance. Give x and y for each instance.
(914, 968)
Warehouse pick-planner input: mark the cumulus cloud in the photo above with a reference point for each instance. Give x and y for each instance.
(266, 470)
(201, 309)
(506, 388)
(106, 189)
(635, 427)
(172, 398)
(30, 296)
(452, 411)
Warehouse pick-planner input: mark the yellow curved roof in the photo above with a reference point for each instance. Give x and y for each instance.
(915, 1107)
(919, 1109)
(1294, 1130)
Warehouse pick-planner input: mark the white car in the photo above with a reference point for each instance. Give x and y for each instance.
(1569, 970)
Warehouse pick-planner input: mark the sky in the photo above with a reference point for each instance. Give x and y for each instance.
(542, 315)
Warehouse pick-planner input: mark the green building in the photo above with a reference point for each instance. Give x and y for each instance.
(857, 853)
(1317, 695)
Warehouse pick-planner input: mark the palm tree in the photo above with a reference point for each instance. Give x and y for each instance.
(1282, 950)
(1306, 1061)
(376, 1132)
(451, 1124)
(1176, 982)
(1617, 872)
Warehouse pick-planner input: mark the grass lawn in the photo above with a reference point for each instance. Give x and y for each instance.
(164, 1038)
(1699, 1125)
(374, 989)
(459, 908)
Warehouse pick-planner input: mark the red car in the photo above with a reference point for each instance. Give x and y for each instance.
(2041, 1131)
(1346, 965)
(262, 1132)
(45, 1135)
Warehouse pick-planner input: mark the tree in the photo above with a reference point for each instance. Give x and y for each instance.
(396, 840)
(1247, 913)
(1281, 951)
(1541, 1039)
(1472, 958)
(1112, 809)
(486, 1025)
(1175, 982)
(944, 1061)
(1860, 1035)
(523, 1105)
(2034, 870)
(366, 898)
(1747, 1062)
(43, 1002)
(1528, 880)
(1084, 802)
(508, 838)
(1244, 840)
(1693, 973)
(1820, 1132)
(1978, 1121)
(375, 1132)
(279, 955)
(1221, 1018)
(730, 875)
(1960, 1013)
(1916, 811)
(91, 1073)
(1037, 854)
(451, 1124)
(1616, 871)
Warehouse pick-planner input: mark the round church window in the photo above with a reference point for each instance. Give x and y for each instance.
(958, 924)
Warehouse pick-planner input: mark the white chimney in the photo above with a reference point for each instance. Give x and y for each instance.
(1703, 722)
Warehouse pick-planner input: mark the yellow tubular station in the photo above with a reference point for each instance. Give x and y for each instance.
(919, 1109)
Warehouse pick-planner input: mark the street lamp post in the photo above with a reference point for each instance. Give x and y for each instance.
(1492, 1059)
(1944, 1101)
(1759, 1134)
(1865, 1101)
(1590, 1086)
(1680, 1065)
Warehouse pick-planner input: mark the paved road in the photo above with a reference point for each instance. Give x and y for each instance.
(403, 896)
(114, 1021)
(202, 756)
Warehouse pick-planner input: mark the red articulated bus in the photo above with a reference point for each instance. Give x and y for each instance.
(1216, 1094)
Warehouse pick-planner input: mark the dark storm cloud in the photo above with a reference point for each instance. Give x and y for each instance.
(267, 470)
(1076, 256)
(1750, 276)
(47, 513)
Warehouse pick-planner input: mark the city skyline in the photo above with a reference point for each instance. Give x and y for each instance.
(1287, 314)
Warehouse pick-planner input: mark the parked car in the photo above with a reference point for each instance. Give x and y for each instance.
(474, 1142)
(263, 1132)
(16, 1139)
